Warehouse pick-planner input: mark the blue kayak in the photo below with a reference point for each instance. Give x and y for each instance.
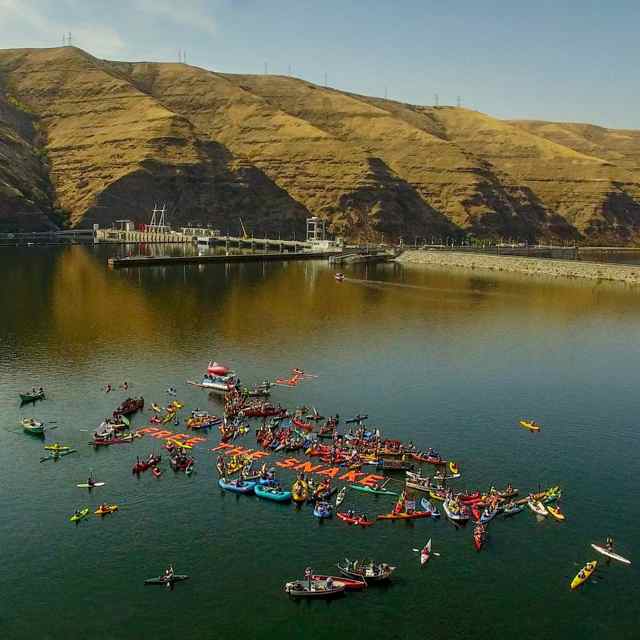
(487, 515)
(237, 486)
(271, 493)
(322, 510)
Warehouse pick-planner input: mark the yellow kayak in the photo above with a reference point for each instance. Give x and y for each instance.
(555, 512)
(530, 424)
(102, 510)
(56, 447)
(584, 574)
(453, 467)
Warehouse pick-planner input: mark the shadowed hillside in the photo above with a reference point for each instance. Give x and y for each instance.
(84, 140)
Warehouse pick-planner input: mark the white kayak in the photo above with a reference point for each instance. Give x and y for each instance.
(425, 554)
(85, 485)
(605, 552)
(537, 507)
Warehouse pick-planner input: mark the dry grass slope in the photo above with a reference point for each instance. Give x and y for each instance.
(103, 140)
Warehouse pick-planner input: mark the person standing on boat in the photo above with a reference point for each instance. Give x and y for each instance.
(308, 572)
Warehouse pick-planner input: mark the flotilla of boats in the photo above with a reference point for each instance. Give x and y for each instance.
(304, 430)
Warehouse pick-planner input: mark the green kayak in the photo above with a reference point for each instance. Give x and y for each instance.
(83, 513)
(379, 492)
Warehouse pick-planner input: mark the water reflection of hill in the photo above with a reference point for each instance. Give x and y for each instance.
(69, 300)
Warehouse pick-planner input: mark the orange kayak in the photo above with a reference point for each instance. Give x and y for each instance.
(404, 516)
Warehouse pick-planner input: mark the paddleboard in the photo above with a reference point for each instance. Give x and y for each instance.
(605, 552)
(84, 485)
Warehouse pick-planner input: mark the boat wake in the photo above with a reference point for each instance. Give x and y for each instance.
(418, 287)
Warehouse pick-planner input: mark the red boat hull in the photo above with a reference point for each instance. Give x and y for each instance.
(349, 584)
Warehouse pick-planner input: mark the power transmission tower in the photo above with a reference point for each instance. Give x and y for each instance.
(458, 102)
(290, 70)
(385, 93)
(69, 39)
(436, 99)
(266, 68)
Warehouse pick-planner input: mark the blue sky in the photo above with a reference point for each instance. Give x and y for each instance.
(567, 61)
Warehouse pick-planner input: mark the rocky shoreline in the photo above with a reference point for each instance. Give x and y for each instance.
(628, 274)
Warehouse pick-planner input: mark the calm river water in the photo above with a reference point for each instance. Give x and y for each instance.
(449, 360)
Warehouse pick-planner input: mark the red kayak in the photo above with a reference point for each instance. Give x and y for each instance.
(357, 520)
(469, 498)
(301, 424)
(156, 472)
(348, 583)
(478, 536)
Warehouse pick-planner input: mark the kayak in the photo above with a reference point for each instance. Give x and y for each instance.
(157, 408)
(103, 511)
(301, 424)
(414, 515)
(584, 574)
(83, 513)
(237, 486)
(271, 493)
(357, 520)
(610, 554)
(425, 554)
(511, 511)
(488, 514)
(453, 467)
(85, 485)
(428, 506)
(537, 507)
(156, 472)
(479, 533)
(164, 580)
(365, 489)
(341, 495)
(555, 512)
(530, 424)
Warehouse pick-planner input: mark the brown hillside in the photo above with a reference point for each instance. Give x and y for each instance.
(95, 141)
